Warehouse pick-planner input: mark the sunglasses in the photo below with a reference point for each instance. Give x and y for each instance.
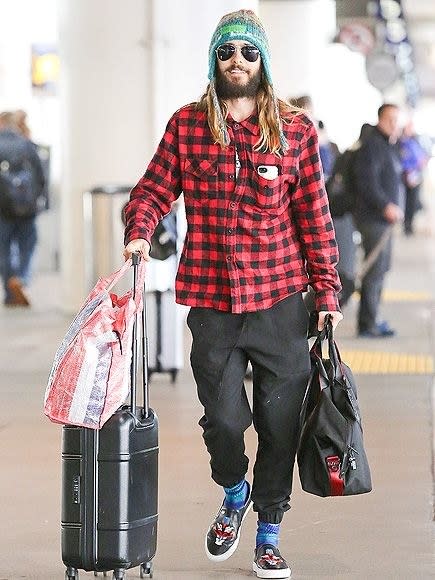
(226, 51)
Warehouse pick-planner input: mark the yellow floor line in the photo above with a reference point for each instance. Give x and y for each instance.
(377, 363)
(405, 296)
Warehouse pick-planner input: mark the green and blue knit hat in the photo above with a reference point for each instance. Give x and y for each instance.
(241, 25)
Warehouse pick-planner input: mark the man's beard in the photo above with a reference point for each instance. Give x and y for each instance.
(227, 89)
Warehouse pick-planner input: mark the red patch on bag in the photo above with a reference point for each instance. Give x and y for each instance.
(335, 480)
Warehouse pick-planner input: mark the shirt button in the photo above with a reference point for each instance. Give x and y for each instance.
(236, 126)
(233, 205)
(230, 230)
(229, 258)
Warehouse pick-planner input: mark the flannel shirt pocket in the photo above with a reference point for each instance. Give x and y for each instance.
(269, 192)
(200, 177)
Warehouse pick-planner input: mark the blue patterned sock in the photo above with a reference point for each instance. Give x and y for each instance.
(267, 534)
(235, 497)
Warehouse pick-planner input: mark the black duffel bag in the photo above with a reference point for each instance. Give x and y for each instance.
(331, 456)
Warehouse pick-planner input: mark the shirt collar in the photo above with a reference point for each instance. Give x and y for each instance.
(250, 124)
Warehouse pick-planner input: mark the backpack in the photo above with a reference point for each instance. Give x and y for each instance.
(17, 190)
(341, 186)
(164, 238)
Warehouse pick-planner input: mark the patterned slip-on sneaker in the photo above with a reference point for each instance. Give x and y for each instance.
(268, 563)
(223, 536)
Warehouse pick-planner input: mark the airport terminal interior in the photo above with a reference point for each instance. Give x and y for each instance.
(97, 81)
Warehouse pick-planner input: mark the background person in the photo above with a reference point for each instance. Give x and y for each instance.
(414, 160)
(259, 231)
(342, 190)
(378, 206)
(19, 164)
(328, 150)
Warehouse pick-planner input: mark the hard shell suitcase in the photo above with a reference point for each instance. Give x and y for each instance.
(165, 326)
(109, 486)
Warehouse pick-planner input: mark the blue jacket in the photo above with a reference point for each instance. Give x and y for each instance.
(413, 154)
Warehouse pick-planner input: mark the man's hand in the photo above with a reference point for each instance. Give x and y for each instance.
(336, 316)
(392, 213)
(141, 246)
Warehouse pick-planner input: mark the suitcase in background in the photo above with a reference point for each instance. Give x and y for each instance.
(109, 487)
(165, 322)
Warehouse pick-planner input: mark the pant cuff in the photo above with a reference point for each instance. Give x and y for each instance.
(273, 517)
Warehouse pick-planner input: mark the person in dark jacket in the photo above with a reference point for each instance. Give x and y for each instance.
(378, 206)
(19, 163)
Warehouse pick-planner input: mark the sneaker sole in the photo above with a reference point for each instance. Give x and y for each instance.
(271, 573)
(233, 548)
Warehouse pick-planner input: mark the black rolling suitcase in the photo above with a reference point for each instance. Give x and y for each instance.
(109, 486)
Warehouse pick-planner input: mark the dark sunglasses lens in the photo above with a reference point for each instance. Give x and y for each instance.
(225, 52)
(250, 53)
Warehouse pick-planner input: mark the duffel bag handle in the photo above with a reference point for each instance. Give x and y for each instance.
(327, 333)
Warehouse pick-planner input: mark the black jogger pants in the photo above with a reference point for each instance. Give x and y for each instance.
(275, 342)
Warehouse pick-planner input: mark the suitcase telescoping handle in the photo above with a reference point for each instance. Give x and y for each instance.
(134, 363)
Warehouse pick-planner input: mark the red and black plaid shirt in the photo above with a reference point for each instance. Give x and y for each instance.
(250, 241)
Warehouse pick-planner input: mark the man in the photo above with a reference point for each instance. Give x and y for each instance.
(259, 231)
(378, 180)
(21, 183)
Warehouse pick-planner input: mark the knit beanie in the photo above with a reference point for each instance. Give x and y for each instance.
(241, 25)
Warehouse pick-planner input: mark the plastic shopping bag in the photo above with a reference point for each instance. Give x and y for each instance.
(90, 376)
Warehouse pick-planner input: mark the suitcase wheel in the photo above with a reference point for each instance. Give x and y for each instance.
(71, 573)
(146, 570)
(118, 574)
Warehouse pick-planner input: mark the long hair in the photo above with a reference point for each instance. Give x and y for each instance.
(268, 120)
